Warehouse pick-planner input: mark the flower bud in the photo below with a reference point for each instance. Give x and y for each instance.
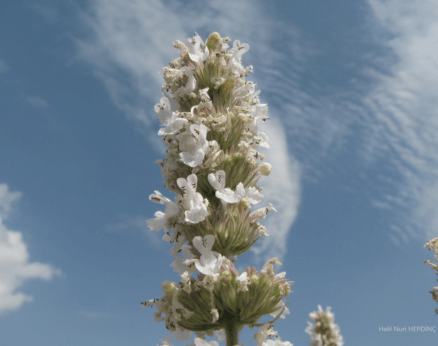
(169, 288)
(264, 168)
(212, 41)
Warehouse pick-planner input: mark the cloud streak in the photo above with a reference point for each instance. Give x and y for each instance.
(402, 112)
(15, 267)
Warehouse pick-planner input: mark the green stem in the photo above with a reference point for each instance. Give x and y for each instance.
(231, 330)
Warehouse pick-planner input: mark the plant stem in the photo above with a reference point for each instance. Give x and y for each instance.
(231, 330)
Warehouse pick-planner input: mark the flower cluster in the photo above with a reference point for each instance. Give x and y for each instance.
(210, 115)
(433, 245)
(325, 332)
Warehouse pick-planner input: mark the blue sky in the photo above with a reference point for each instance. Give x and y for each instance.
(351, 88)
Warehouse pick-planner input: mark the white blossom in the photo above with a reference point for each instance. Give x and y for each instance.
(210, 261)
(250, 193)
(243, 282)
(190, 85)
(195, 53)
(173, 125)
(182, 265)
(280, 306)
(194, 201)
(171, 209)
(265, 330)
(194, 146)
(259, 114)
(166, 342)
(225, 194)
(260, 214)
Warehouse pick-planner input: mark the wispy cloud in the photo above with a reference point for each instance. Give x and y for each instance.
(3, 67)
(402, 112)
(36, 101)
(130, 43)
(282, 189)
(15, 267)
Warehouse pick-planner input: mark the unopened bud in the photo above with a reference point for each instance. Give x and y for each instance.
(169, 288)
(265, 168)
(213, 40)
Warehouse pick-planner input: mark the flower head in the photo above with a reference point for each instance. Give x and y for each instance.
(324, 332)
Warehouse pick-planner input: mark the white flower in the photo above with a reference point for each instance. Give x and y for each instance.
(202, 342)
(163, 110)
(269, 265)
(243, 282)
(210, 261)
(194, 147)
(195, 53)
(250, 193)
(190, 85)
(182, 266)
(174, 105)
(247, 88)
(265, 330)
(237, 51)
(225, 194)
(173, 125)
(171, 209)
(280, 306)
(168, 117)
(158, 223)
(166, 342)
(194, 201)
(259, 114)
(203, 94)
(178, 265)
(260, 214)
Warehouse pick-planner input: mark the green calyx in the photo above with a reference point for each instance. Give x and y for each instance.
(235, 305)
(232, 228)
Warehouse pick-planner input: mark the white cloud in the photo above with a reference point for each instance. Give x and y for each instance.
(282, 189)
(403, 108)
(15, 267)
(131, 41)
(37, 101)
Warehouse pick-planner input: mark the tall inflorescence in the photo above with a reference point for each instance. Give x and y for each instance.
(324, 332)
(433, 245)
(210, 116)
